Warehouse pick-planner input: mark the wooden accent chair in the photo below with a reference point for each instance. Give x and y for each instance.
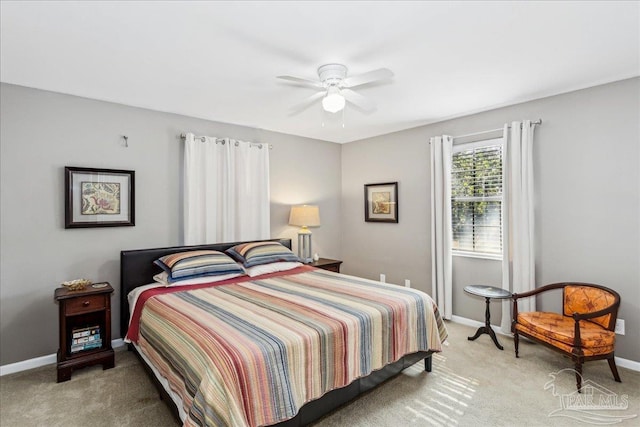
(585, 329)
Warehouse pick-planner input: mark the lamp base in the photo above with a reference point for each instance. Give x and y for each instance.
(304, 247)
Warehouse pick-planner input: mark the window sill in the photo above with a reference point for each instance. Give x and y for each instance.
(477, 255)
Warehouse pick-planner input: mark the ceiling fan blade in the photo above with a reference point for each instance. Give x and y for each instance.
(358, 100)
(300, 107)
(371, 76)
(301, 81)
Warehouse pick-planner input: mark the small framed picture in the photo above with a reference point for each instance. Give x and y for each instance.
(99, 197)
(381, 202)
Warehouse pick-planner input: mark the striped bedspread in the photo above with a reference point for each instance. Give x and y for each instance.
(252, 353)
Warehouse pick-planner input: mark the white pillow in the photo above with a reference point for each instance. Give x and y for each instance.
(273, 267)
(162, 279)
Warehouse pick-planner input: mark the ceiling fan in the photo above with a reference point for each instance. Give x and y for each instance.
(335, 88)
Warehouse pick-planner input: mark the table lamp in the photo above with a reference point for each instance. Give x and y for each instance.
(305, 216)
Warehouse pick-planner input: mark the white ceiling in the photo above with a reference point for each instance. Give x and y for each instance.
(218, 60)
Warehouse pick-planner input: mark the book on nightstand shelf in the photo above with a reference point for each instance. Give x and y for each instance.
(85, 338)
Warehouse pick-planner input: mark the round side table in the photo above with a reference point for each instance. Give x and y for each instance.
(487, 292)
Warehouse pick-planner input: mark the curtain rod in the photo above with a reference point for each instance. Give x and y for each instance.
(537, 122)
(202, 139)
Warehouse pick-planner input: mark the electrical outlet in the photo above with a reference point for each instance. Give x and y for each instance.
(383, 278)
(619, 327)
(407, 283)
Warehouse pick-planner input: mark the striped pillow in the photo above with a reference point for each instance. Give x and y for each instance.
(163, 279)
(258, 253)
(187, 265)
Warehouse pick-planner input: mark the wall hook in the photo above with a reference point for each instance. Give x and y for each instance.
(126, 140)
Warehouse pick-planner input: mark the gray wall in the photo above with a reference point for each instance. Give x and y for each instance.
(587, 185)
(587, 157)
(41, 132)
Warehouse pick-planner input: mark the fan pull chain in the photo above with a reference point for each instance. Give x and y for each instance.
(324, 114)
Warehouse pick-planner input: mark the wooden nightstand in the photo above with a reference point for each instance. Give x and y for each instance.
(85, 329)
(327, 264)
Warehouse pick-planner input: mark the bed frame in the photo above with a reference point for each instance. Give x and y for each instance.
(137, 269)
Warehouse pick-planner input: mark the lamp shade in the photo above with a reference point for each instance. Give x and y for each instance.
(305, 216)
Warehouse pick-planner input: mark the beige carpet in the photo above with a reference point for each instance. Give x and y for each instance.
(472, 384)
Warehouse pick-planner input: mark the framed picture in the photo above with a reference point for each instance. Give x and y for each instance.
(98, 198)
(381, 202)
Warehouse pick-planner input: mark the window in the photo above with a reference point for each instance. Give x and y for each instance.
(476, 198)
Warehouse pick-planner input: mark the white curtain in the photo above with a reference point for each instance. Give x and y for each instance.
(441, 270)
(518, 264)
(226, 190)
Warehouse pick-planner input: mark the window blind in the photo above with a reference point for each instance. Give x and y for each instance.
(476, 198)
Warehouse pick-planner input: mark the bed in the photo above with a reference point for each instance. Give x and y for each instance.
(303, 383)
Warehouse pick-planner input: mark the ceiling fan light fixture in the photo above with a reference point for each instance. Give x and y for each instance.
(335, 88)
(333, 101)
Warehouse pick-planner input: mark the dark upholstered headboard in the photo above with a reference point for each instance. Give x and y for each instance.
(137, 269)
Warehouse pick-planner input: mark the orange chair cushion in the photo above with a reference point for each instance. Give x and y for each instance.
(558, 331)
(587, 299)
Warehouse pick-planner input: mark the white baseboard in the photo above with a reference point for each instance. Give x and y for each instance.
(37, 362)
(624, 363)
(629, 364)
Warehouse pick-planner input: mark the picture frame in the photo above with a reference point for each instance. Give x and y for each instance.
(99, 197)
(381, 202)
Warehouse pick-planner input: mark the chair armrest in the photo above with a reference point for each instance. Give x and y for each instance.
(515, 297)
(584, 316)
(536, 291)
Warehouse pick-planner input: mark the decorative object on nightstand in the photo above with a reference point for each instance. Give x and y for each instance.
(327, 264)
(77, 284)
(305, 216)
(85, 328)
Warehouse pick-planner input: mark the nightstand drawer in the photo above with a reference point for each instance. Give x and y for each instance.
(333, 267)
(85, 304)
